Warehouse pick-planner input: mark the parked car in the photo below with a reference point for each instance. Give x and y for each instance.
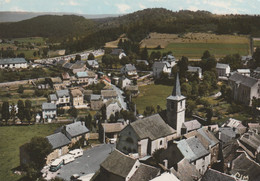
(76, 153)
(56, 165)
(67, 158)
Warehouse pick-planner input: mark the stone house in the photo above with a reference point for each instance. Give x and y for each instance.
(123, 82)
(244, 88)
(77, 98)
(133, 89)
(128, 69)
(16, 63)
(216, 175)
(223, 69)
(78, 66)
(112, 106)
(159, 67)
(195, 70)
(63, 97)
(96, 102)
(112, 130)
(108, 94)
(82, 77)
(49, 110)
(145, 136)
(189, 126)
(66, 78)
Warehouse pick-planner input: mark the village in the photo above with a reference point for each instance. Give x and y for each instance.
(103, 136)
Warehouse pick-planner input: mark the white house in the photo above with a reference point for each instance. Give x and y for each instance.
(93, 63)
(63, 97)
(118, 52)
(128, 69)
(159, 67)
(123, 82)
(245, 72)
(223, 69)
(112, 106)
(13, 63)
(49, 110)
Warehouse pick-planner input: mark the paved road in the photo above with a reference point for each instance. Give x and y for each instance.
(88, 163)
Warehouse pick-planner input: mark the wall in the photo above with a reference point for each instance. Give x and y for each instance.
(55, 154)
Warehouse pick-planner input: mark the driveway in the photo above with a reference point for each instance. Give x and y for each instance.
(88, 163)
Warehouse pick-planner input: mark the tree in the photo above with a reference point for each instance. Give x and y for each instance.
(209, 114)
(183, 66)
(256, 56)
(186, 89)
(5, 111)
(91, 56)
(205, 55)
(28, 104)
(21, 110)
(73, 112)
(77, 57)
(144, 54)
(34, 54)
(20, 89)
(112, 118)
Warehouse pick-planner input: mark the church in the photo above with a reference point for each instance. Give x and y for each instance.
(151, 133)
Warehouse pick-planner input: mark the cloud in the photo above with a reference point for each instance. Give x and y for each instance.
(123, 8)
(7, 1)
(142, 6)
(16, 9)
(70, 2)
(193, 8)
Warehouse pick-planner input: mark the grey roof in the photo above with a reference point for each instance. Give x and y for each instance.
(67, 65)
(118, 163)
(108, 93)
(145, 173)
(215, 175)
(257, 69)
(169, 57)
(53, 97)
(192, 149)
(176, 92)
(248, 57)
(78, 64)
(61, 93)
(192, 125)
(152, 127)
(48, 106)
(130, 67)
(95, 97)
(208, 136)
(194, 69)
(227, 134)
(12, 61)
(222, 66)
(92, 62)
(251, 139)
(244, 80)
(117, 51)
(58, 140)
(76, 129)
(158, 65)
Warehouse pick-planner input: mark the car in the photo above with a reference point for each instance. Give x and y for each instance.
(76, 153)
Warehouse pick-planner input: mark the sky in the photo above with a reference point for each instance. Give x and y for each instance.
(129, 6)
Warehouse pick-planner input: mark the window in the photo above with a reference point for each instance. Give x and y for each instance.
(161, 142)
(181, 104)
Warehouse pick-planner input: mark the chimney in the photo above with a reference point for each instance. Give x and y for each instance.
(165, 163)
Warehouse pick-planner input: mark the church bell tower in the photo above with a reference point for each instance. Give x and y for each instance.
(176, 107)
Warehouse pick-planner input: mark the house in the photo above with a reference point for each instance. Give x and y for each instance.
(246, 58)
(128, 69)
(244, 168)
(63, 97)
(255, 127)
(229, 151)
(82, 77)
(166, 177)
(223, 70)
(93, 63)
(111, 130)
(189, 126)
(60, 146)
(49, 110)
(62, 62)
(67, 65)
(96, 102)
(194, 70)
(245, 72)
(78, 66)
(120, 167)
(56, 83)
(145, 62)
(215, 175)
(75, 131)
(77, 98)
(16, 63)
(169, 57)
(108, 94)
(145, 136)
(66, 78)
(237, 125)
(118, 52)
(133, 89)
(226, 134)
(123, 82)
(53, 98)
(112, 106)
(159, 67)
(244, 88)
(257, 70)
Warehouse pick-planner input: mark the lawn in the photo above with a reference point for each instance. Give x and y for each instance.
(30, 40)
(195, 50)
(12, 137)
(152, 95)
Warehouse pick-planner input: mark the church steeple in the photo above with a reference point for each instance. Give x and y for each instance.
(177, 88)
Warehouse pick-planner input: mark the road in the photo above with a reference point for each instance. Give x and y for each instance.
(88, 163)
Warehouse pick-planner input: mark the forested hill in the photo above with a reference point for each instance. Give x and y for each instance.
(47, 26)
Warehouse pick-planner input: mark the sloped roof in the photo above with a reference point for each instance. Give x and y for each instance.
(61, 93)
(82, 74)
(65, 76)
(76, 129)
(152, 127)
(202, 139)
(118, 163)
(192, 125)
(244, 80)
(233, 123)
(113, 127)
(108, 93)
(56, 80)
(241, 71)
(158, 65)
(117, 51)
(92, 62)
(251, 139)
(132, 87)
(176, 92)
(76, 92)
(222, 66)
(142, 61)
(12, 61)
(48, 106)
(145, 173)
(78, 64)
(58, 140)
(209, 136)
(68, 65)
(194, 69)
(166, 177)
(95, 97)
(53, 97)
(215, 175)
(227, 134)
(130, 67)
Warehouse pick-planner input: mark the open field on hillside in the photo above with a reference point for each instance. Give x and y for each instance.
(195, 50)
(30, 40)
(12, 137)
(257, 43)
(113, 44)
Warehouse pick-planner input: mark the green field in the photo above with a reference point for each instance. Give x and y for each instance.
(30, 40)
(256, 43)
(195, 50)
(152, 95)
(12, 137)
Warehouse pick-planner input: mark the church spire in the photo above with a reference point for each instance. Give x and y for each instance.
(177, 89)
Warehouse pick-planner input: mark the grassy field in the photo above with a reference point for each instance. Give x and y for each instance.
(256, 43)
(30, 40)
(195, 50)
(12, 137)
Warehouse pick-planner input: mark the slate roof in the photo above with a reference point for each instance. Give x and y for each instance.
(82, 74)
(130, 67)
(56, 80)
(252, 140)
(209, 136)
(61, 93)
(92, 62)
(131, 87)
(76, 92)
(244, 80)
(215, 175)
(257, 69)
(192, 149)
(202, 139)
(194, 69)
(78, 64)
(145, 173)
(166, 177)
(117, 51)
(48, 106)
(113, 127)
(95, 97)
(58, 140)
(108, 93)
(76, 129)
(152, 127)
(248, 57)
(68, 65)
(243, 71)
(247, 167)
(192, 125)
(222, 66)
(227, 134)
(12, 61)
(118, 163)
(158, 65)
(53, 97)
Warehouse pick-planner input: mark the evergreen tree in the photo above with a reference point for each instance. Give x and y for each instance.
(5, 111)
(21, 110)
(91, 56)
